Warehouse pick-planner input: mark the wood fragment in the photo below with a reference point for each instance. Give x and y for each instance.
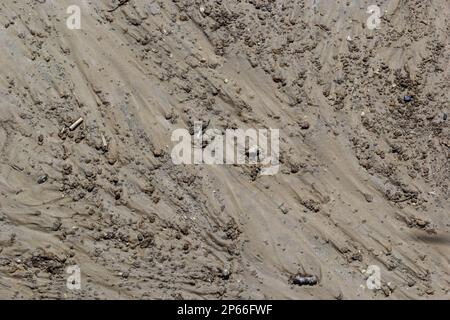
(76, 124)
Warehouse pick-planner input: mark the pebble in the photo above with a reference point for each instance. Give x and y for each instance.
(421, 223)
(368, 197)
(42, 179)
(304, 125)
(407, 98)
(226, 274)
(305, 280)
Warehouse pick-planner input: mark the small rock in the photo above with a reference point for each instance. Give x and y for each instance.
(304, 280)
(42, 179)
(304, 125)
(421, 223)
(157, 152)
(407, 98)
(112, 159)
(368, 197)
(225, 274)
(168, 115)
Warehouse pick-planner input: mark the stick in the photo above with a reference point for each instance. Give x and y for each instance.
(76, 124)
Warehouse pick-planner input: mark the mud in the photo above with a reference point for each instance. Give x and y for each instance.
(364, 142)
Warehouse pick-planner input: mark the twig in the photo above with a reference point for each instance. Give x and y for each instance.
(76, 124)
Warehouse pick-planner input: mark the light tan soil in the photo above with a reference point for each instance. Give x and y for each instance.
(364, 176)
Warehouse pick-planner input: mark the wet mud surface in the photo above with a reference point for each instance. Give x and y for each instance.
(364, 149)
